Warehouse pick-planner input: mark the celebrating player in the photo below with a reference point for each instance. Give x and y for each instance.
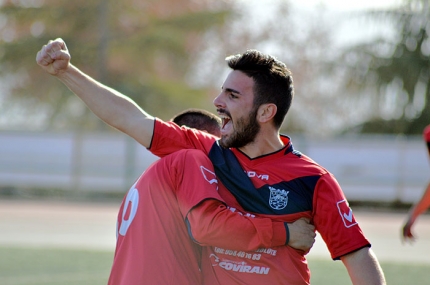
(177, 197)
(258, 169)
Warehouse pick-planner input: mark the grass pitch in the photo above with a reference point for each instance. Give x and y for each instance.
(49, 266)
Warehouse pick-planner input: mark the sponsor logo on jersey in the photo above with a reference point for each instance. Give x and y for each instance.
(252, 174)
(241, 267)
(278, 199)
(234, 210)
(345, 213)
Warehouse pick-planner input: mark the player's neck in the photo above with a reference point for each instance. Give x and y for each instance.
(263, 144)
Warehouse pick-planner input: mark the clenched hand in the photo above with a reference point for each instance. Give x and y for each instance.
(54, 57)
(302, 235)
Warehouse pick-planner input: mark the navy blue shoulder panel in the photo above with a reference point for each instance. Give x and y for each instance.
(290, 197)
(279, 199)
(231, 174)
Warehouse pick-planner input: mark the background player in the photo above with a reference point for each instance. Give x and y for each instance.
(423, 204)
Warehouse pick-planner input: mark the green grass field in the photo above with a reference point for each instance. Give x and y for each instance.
(42, 266)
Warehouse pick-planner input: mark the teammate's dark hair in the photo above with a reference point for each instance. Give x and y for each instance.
(199, 119)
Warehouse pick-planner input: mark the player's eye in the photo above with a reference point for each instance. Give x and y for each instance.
(233, 96)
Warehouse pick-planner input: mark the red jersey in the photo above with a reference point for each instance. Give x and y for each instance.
(426, 133)
(164, 208)
(292, 186)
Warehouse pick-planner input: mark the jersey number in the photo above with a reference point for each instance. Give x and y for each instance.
(132, 200)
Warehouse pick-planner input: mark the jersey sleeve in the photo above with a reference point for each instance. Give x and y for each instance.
(169, 138)
(212, 223)
(334, 220)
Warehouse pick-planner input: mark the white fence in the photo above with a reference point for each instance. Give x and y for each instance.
(88, 162)
(369, 168)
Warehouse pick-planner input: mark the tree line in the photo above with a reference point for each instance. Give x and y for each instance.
(168, 56)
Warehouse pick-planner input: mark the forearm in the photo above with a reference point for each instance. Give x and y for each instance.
(212, 223)
(421, 206)
(363, 268)
(109, 105)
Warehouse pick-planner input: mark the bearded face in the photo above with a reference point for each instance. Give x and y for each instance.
(245, 129)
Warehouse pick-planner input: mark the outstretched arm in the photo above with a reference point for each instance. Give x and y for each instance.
(212, 223)
(420, 207)
(112, 107)
(363, 267)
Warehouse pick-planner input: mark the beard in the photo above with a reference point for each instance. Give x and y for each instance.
(244, 132)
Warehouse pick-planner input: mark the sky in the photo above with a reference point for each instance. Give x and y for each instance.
(347, 30)
(350, 30)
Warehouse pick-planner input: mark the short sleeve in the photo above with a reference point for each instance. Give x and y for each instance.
(334, 219)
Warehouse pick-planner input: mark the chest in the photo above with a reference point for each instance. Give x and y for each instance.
(267, 189)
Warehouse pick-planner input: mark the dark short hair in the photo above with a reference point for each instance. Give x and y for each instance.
(273, 81)
(199, 119)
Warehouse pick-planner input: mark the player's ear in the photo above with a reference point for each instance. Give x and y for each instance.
(266, 112)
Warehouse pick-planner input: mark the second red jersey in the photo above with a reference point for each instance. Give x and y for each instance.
(290, 184)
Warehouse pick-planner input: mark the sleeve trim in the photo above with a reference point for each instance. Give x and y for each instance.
(339, 257)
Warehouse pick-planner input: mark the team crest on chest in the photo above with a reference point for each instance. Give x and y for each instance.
(278, 199)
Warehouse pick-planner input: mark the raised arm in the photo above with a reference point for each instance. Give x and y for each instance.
(111, 106)
(363, 267)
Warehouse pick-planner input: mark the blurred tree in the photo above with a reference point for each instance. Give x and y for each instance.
(137, 47)
(397, 67)
(170, 51)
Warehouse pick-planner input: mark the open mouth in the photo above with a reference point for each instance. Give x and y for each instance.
(225, 121)
(224, 116)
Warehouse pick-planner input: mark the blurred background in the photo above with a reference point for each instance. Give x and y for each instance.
(361, 72)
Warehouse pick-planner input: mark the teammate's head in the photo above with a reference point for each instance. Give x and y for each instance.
(273, 81)
(199, 119)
